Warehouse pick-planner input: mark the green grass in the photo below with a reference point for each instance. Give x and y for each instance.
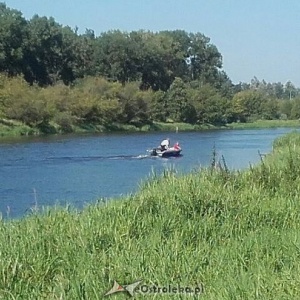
(235, 233)
(18, 129)
(14, 129)
(265, 124)
(159, 126)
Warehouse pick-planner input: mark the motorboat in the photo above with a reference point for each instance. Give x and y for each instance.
(170, 152)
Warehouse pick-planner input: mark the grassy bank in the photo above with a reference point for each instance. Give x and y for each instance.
(236, 234)
(10, 128)
(265, 124)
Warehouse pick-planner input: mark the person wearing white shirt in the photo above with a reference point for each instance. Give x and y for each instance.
(165, 144)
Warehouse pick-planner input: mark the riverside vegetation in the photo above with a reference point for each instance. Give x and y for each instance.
(97, 105)
(236, 233)
(55, 80)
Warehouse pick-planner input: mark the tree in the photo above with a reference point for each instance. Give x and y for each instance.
(51, 52)
(247, 103)
(13, 28)
(270, 109)
(278, 90)
(295, 110)
(285, 108)
(23, 103)
(179, 46)
(116, 56)
(290, 91)
(84, 51)
(159, 106)
(177, 100)
(209, 105)
(157, 61)
(203, 58)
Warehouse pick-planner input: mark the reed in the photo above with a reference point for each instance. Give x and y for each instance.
(234, 233)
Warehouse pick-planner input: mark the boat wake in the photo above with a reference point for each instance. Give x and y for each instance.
(95, 158)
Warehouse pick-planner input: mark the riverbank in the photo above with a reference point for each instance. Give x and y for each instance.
(265, 124)
(236, 234)
(9, 128)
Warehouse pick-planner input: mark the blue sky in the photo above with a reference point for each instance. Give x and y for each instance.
(256, 38)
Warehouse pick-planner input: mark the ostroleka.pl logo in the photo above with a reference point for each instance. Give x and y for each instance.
(138, 287)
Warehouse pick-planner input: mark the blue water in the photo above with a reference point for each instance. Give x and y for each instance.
(81, 169)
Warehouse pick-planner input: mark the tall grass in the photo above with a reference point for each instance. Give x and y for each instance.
(237, 234)
(259, 124)
(17, 130)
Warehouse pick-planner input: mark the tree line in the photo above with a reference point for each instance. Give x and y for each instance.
(51, 73)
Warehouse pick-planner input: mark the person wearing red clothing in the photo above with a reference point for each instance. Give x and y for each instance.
(176, 146)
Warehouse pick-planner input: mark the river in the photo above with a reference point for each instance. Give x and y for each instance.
(81, 169)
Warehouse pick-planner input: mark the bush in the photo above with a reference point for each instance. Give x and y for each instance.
(65, 122)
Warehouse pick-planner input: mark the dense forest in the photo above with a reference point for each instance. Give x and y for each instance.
(50, 75)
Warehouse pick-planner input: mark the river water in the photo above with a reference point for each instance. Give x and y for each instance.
(81, 169)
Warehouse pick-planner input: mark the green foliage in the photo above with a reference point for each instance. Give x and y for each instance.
(242, 239)
(13, 29)
(94, 102)
(20, 102)
(177, 100)
(125, 78)
(116, 56)
(247, 103)
(49, 52)
(65, 121)
(295, 109)
(270, 109)
(158, 106)
(285, 107)
(209, 105)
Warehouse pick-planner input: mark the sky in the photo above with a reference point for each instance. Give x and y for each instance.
(258, 38)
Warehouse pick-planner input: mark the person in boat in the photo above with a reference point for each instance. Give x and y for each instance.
(176, 146)
(165, 144)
